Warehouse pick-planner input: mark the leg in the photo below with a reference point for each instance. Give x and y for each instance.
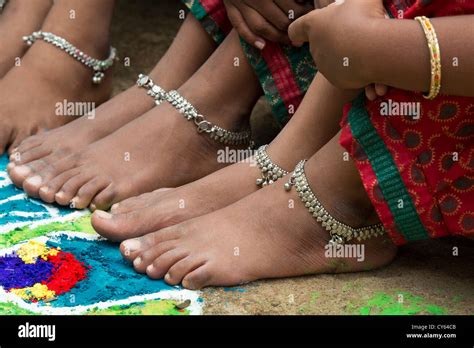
(161, 148)
(317, 119)
(268, 234)
(20, 18)
(190, 49)
(44, 77)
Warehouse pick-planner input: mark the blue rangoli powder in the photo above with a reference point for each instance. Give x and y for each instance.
(109, 277)
(14, 273)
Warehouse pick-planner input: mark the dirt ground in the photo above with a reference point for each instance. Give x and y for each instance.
(434, 277)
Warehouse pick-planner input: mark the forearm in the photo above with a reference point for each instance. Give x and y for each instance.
(400, 58)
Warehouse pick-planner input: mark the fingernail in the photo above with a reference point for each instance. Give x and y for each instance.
(35, 180)
(22, 170)
(132, 244)
(137, 261)
(260, 44)
(103, 214)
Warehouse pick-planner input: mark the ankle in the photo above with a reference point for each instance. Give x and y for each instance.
(226, 112)
(72, 21)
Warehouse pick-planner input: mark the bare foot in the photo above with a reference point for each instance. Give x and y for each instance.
(19, 18)
(309, 129)
(47, 148)
(159, 149)
(268, 234)
(155, 210)
(48, 77)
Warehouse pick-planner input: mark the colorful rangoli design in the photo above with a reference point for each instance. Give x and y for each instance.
(52, 262)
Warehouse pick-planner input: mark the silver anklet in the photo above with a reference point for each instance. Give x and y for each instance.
(154, 91)
(98, 66)
(340, 233)
(203, 126)
(3, 3)
(270, 171)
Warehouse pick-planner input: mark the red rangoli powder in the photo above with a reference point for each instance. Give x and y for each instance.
(67, 271)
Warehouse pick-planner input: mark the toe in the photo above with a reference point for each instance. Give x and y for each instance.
(198, 279)
(181, 268)
(32, 185)
(30, 143)
(119, 227)
(163, 263)
(18, 174)
(71, 187)
(105, 198)
(29, 155)
(88, 191)
(50, 190)
(19, 137)
(146, 258)
(132, 248)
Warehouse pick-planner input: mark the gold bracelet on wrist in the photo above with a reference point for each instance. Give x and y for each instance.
(435, 56)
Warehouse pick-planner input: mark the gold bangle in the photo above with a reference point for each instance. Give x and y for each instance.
(435, 55)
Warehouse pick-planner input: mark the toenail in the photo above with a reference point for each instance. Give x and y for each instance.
(137, 261)
(186, 284)
(22, 170)
(35, 180)
(114, 207)
(103, 214)
(59, 195)
(10, 166)
(131, 244)
(92, 207)
(167, 277)
(150, 269)
(44, 189)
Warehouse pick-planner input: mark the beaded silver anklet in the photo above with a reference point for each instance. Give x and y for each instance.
(271, 172)
(3, 3)
(340, 233)
(98, 66)
(203, 126)
(154, 91)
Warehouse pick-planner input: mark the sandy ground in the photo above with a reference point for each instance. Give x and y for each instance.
(427, 277)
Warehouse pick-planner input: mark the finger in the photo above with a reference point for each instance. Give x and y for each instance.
(370, 92)
(298, 31)
(380, 89)
(238, 22)
(276, 16)
(260, 26)
(294, 10)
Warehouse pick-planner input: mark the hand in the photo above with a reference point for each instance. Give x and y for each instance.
(258, 21)
(338, 35)
(375, 90)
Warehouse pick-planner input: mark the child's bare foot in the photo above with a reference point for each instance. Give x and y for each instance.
(155, 210)
(159, 149)
(46, 148)
(316, 119)
(48, 76)
(265, 235)
(19, 18)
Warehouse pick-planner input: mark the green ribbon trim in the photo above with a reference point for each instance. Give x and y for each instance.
(391, 184)
(267, 82)
(200, 13)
